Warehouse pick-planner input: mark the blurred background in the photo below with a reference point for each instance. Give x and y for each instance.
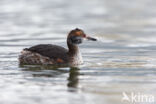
(123, 59)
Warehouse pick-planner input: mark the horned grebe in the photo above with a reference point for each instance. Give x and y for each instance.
(45, 54)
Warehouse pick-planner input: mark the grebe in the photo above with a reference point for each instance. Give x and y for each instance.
(48, 54)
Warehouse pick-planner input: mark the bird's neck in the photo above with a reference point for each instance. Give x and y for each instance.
(74, 54)
(73, 49)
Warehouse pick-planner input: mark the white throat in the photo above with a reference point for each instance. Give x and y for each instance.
(78, 58)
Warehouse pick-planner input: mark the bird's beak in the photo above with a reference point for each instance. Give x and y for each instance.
(90, 38)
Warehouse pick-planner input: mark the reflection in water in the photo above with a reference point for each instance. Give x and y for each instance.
(53, 71)
(73, 77)
(43, 71)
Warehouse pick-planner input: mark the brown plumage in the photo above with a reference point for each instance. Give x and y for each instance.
(46, 54)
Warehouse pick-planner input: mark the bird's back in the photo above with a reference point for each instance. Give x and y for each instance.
(49, 50)
(44, 54)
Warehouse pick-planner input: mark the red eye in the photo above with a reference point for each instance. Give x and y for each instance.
(84, 35)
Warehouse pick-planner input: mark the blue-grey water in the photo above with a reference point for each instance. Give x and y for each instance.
(122, 60)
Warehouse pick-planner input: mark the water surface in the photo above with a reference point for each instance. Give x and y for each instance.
(122, 60)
